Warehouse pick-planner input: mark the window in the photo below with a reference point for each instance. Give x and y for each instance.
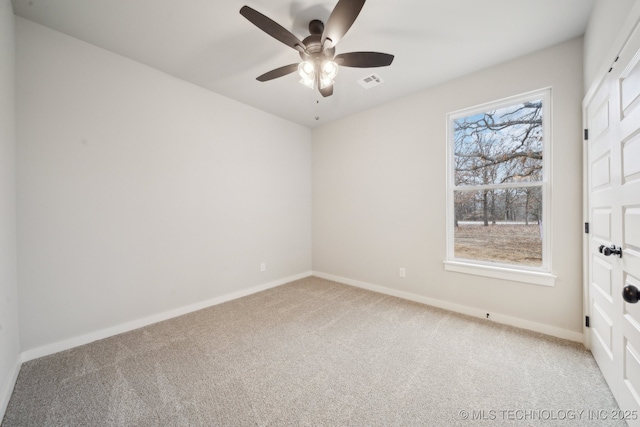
(498, 189)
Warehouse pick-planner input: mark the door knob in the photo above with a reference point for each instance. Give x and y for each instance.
(630, 294)
(608, 251)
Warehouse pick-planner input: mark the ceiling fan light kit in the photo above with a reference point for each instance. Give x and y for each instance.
(319, 65)
(319, 75)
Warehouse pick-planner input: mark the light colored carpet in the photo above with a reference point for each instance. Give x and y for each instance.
(315, 352)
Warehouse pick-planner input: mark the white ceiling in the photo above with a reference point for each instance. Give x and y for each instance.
(207, 42)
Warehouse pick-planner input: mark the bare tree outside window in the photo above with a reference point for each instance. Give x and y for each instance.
(498, 185)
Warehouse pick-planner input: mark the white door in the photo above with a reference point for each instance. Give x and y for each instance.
(613, 161)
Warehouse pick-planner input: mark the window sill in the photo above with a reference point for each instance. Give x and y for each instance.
(505, 273)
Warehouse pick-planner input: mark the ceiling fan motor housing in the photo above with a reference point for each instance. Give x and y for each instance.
(314, 50)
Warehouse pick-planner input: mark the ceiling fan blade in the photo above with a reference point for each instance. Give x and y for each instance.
(340, 20)
(364, 59)
(327, 91)
(272, 28)
(278, 72)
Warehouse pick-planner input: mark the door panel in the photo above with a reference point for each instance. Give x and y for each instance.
(629, 398)
(601, 172)
(602, 326)
(601, 223)
(631, 372)
(631, 159)
(602, 277)
(632, 229)
(599, 119)
(630, 88)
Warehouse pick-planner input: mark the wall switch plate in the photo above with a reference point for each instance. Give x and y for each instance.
(402, 272)
(263, 266)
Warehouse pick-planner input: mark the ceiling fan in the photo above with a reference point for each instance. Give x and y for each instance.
(319, 64)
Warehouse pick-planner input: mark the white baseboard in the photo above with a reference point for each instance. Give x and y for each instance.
(139, 323)
(471, 311)
(5, 395)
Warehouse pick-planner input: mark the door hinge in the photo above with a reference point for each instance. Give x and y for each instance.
(586, 228)
(586, 321)
(586, 134)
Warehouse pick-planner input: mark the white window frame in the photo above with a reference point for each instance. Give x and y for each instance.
(519, 273)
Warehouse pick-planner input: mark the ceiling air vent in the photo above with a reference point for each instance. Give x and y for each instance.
(371, 81)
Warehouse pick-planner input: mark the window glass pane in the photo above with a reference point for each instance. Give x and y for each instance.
(499, 225)
(499, 146)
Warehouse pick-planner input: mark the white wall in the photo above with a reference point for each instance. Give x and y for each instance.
(140, 193)
(606, 20)
(9, 341)
(379, 193)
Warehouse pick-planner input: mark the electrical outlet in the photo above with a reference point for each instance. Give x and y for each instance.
(402, 272)
(263, 266)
